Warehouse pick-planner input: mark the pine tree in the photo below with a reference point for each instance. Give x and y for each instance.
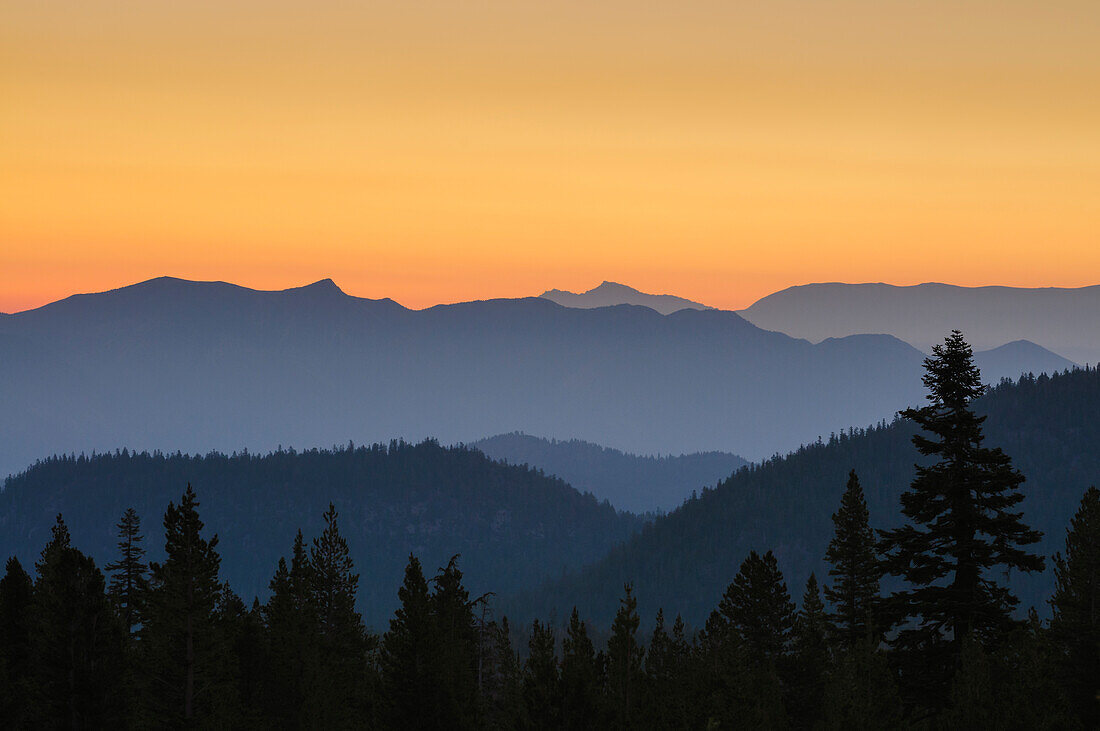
(666, 676)
(809, 661)
(456, 648)
(16, 618)
(759, 609)
(180, 642)
(580, 676)
(76, 641)
(624, 663)
(338, 696)
(855, 568)
(291, 625)
(503, 707)
(409, 670)
(962, 526)
(1075, 626)
(541, 681)
(129, 581)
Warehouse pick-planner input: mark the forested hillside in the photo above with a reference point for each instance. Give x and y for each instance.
(629, 481)
(1049, 426)
(512, 525)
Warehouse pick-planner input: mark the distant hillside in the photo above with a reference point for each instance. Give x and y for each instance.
(170, 364)
(628, 481)
(1017, 358)
(609, 294)
(1066, 321)
(513, 526)
(683, 562)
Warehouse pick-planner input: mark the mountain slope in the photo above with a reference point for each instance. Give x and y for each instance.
(1017, 358)
(1066, 321)
(628, 481)
(512, 525)
(170, 364)
(610, 294)
(682, 562)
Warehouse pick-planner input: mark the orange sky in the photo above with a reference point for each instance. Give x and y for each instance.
(440, 151)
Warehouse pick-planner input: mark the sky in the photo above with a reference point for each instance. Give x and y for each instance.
(443, 151)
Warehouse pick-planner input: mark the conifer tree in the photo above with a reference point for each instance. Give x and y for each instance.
(861, 693)
(339, 695)
(180, 642)
(456, 649)
(76, 641)
(501, 683)
(962, 525)
(291, 624)
(16, 595)
(809, 661)
(1075, 626)
(624, 663)
(580, 676)
(855, 569)
(541, 681)
(129, 580)
(759, 609)
(409, 670)
(666, 676)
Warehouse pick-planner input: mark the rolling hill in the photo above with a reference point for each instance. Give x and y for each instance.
(630, 482)
(513, 526)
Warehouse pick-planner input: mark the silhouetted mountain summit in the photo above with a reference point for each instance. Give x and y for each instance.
(1066, 321)
(609, 294)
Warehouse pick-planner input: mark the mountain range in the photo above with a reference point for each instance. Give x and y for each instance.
(1066, 321)
(172, 364)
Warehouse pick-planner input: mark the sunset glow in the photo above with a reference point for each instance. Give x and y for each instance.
(435, 152)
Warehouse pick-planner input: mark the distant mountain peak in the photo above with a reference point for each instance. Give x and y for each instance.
(609, 294)
(321, 286)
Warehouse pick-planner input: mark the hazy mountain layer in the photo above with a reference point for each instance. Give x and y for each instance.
(171, 364)
(513, 526)
(1066, 321)
(683, 562)
(628, 481)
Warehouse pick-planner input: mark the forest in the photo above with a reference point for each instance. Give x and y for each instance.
(169, 644)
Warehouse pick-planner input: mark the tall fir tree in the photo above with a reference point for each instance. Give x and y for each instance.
(624, 663)
(963, 524)
(580, 676)
(456, 649)
(666, 669)
(541, 679)
(409, 669)
(339, 695)
(855, 569)
(130, 573)
(291, 625)
(809, 661)
(16, 617)
(759, 609)
(180, 643)
(501, 680)
(1075, 625)
(76, 641)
